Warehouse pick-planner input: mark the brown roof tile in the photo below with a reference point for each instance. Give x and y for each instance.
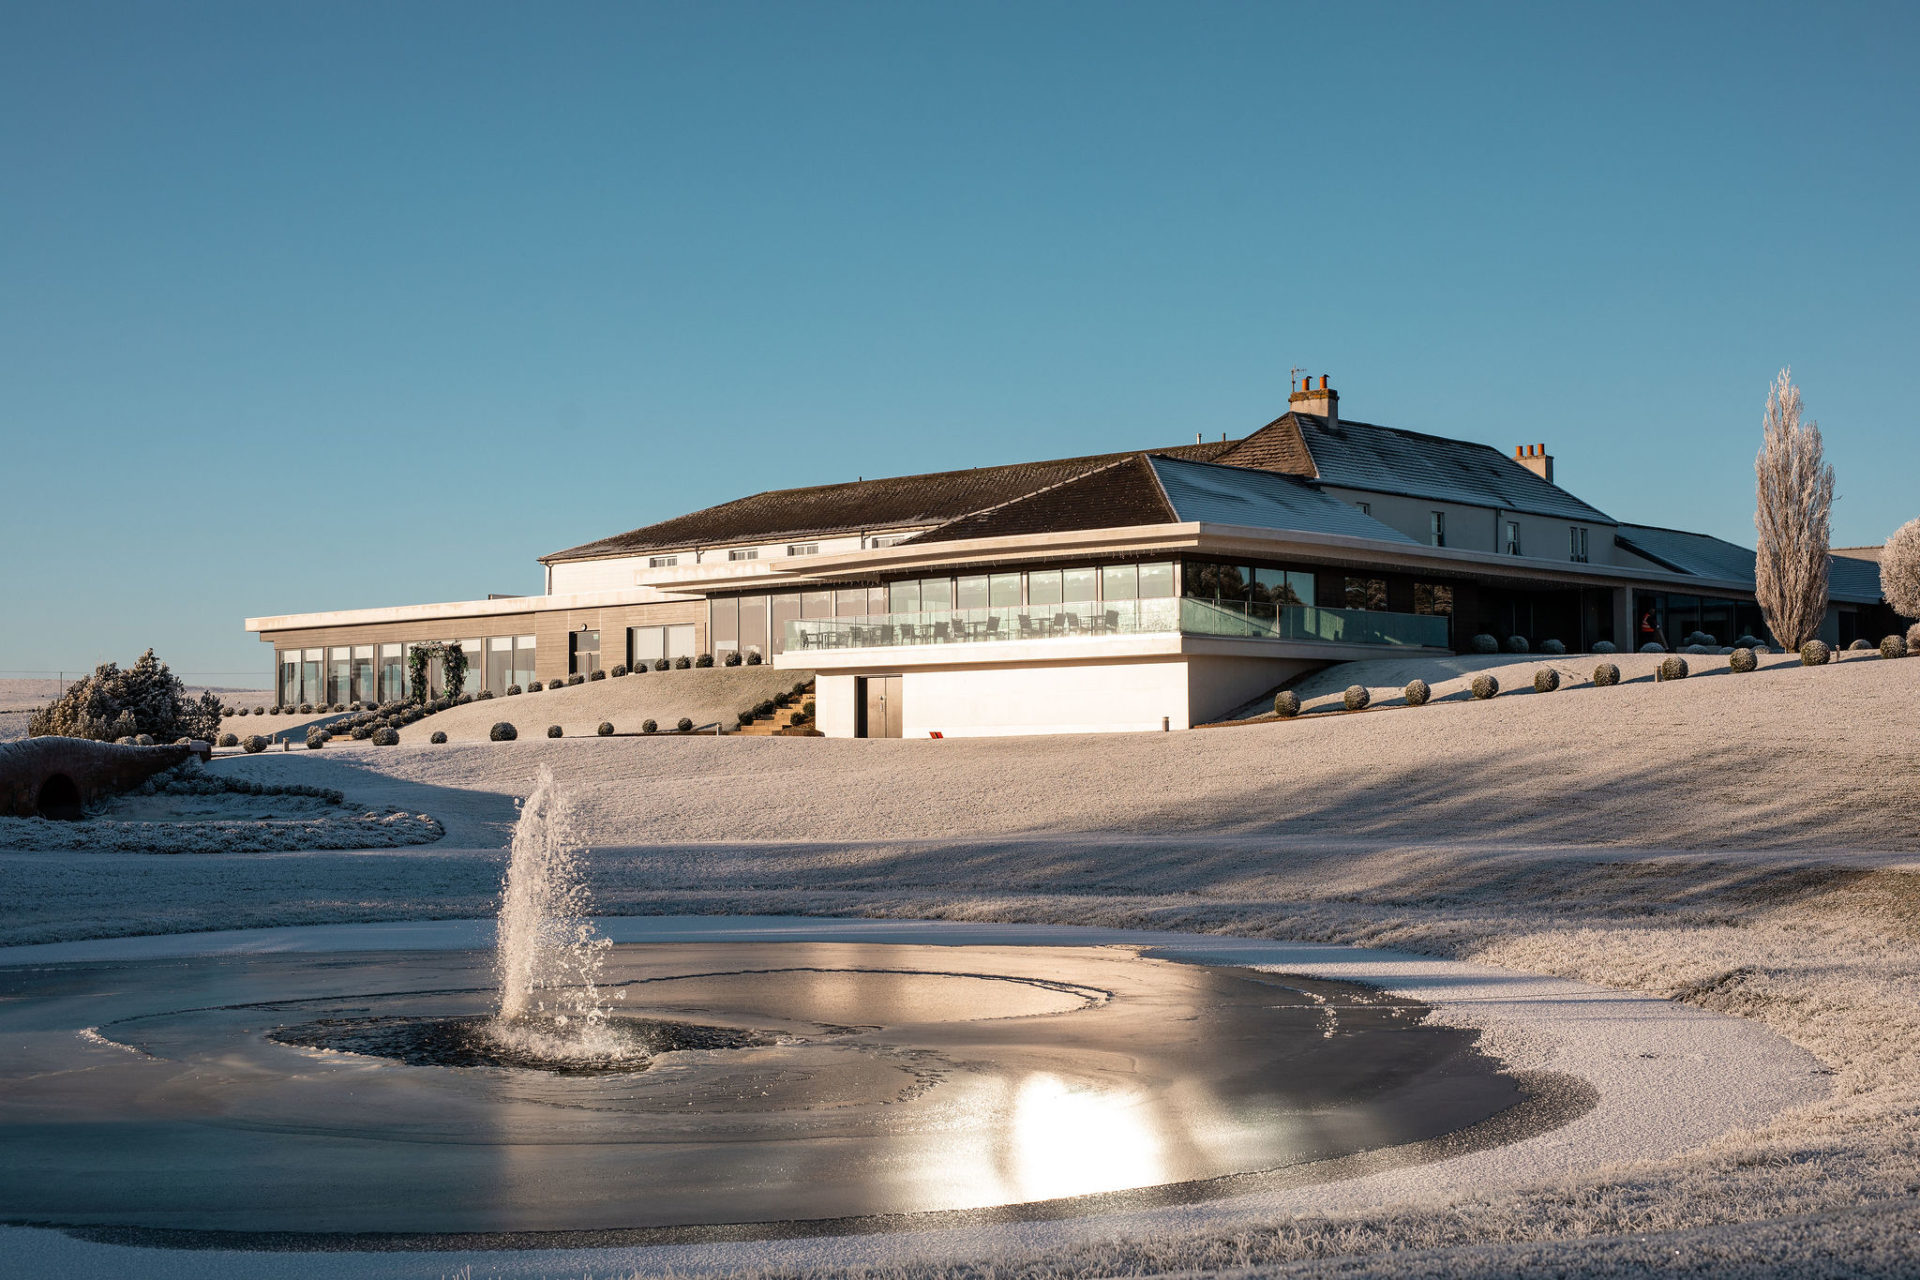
(1119, 493)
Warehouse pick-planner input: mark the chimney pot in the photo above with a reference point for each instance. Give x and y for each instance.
(1535, 458)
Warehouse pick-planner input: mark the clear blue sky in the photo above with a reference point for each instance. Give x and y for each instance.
(334, 305)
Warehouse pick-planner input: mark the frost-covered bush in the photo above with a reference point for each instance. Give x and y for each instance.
(746, 717)
(1673, 667)
(704, 660)
(1417, 692)
(1861, 646)
(577, 679)
(1604, 646)
(1552, 646)
(124, 740)
(361, 732)
(1747, 641)
(316, 740)
(1742, 660)
(1485, 686)
(502, 732)
(619, 669)
(682, 663)
(1814, 653)
(112, 703)
(1517, 644)
(1484, 643)
(240, 711)
(806, 709)
(753, 657)
(229, 739)
(1893, 647)
(485, 695)
(553, 731)
(1286, 704)
(685, 725)
(255, 744)
(386, 736)
(438, 737)
(661, 664)
(1702, 639)
(142, 739)
(1546, 680)
(513, 690)
(733, 657)
(1900, 571)
(1356, 697)
(606, 729)
(597, 674)
(1653, 646)
(648, 726)
(534, 686)
(306, 708)
(1913, 637)
(1605, 674)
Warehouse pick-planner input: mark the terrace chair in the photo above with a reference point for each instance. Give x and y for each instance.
(1110, 621)
(990, 629)
(1067, 624)
(942, 632)
(1027, 630)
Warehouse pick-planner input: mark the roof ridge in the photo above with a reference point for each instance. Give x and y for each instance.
(1075, 478)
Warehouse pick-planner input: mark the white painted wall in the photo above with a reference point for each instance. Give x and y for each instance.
(833, 705)
(1096, 698)
(1218, 686)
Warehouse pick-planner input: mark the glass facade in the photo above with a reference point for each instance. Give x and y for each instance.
(583, 652)
(1252, 584)
(1667, 618)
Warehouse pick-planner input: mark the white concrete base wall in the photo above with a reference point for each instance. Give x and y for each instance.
(833, 705)
(1217, 687)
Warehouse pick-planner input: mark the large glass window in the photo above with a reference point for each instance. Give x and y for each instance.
(645, 645)
(786, 608)
(393, 672)
(1003, 591)
(498, 663)
(680, 640)
(850, 603)
(1043, 587)
(583, 656)
(310, 666)
(1156, 581)
(726, 625)
(523, 664)
(362, 685)
(339, 675)
(1366, 593)
(1432, 598)
(1079, 584)
(288, 685)
(903, 597)
(876, 601)
(753, 625)
(1120, 582)
(970, 592)
(474, 680)
(936, 594)
(816, 604)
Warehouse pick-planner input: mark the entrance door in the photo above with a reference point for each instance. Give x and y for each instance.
(879, 707)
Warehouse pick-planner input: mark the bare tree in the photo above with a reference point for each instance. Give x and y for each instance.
(1900, 570)
(1793, 514)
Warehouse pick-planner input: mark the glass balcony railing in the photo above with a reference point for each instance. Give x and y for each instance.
(1120, 618)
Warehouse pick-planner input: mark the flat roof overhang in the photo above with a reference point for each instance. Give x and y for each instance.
(1080, 651)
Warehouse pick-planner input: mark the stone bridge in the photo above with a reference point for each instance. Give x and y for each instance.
(59, 777)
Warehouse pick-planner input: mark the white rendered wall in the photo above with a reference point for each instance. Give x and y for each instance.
(833, 705)
(1104, 698)
(1218, 686)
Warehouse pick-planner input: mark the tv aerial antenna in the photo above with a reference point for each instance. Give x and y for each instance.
(1293, 378)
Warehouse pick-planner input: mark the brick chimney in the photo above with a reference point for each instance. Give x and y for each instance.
(1535, 458)
(1322, 400)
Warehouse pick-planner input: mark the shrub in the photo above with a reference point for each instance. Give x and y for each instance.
(1485, 686)
(438, 738)
(1742, 660)
(485, 695)
(534, 686)
(576, 680)
(114, 703)
(1893, 647)
(597, 674)
(513, 690)
(1546, 680)
(1417, 693)
(316, 740)
(1604, 646)
(386, 736)
(124, 740)
(746, 718)
(465, 698)
(361, 732)
(682, 663)
(704, 660)
(606, 729)
(1484, 643)
(764, 708)
(1356, 697)
(1653, 646)
(553, 731)
(1673, 667)
(306, 708)
(753, 657)
(661, 664)
(1913, 637)
(648, 726)
(619, 669)
(806, 708)
(502, 732)
(733, 657)
(1747, 641)
(260, 711)
(142, 739)
(1700, 638)
(1286, 704)
(782, 698)
(1517, 644)
(1552, 647)
(1605, 674)
(1814, 653)
(255, 744)
(239, 711)
(229, 739)
(799, 688)
(685, 725)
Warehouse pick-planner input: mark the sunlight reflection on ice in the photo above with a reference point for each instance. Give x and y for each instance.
(1073, 1140)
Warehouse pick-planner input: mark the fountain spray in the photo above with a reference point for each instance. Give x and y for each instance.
(548, 956)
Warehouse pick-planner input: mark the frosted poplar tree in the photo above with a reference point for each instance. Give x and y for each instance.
(1793, 514)
(1900, 570)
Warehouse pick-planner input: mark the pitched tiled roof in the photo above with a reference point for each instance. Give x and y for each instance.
(1113, 495)
(820, 510)
(1853, 580)
(1220, 494)
(1361, 455)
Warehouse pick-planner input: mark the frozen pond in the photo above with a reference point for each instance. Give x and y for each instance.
(776, 1087)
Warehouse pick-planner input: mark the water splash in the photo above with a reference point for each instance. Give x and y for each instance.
(547, 955)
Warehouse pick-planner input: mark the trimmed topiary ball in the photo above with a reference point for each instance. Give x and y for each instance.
(682, 663)
(619, 669)
(361, 732)
(553, 731)
(483, 696)
(1552, 646)
(1747, 641)
(1604, 646)
(438, 738)
(316, 740)
(648, 726)
(1517, 644)
(704, 660)
(733, 657)
(229, 739)
(1485, 686)
(1356, 697)
(1913, 637)
(306, 708)
(1484, 643)
(1653, 646)
(1673, 667)
(598, 674)
(753, 658)
(502, 732)
(1861, 646)
(142, 739)
(238, 711)
(513, 690)
(386, 736)
(1742, 660)
(746, 718)
(685, 725)
(1417, 692)
(577, 680)
(534, 686)
(1814, 653)
(1546, 680)
(661, 664)
(124, 740)
(1605, 674)
(1286, 704)
(255, 744)
(1893, 647)
(606, 729)
(1700, 638)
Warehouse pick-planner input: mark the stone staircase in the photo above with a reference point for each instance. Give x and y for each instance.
(783, 723)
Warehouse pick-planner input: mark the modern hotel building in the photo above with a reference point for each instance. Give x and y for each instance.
(1136, 590)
